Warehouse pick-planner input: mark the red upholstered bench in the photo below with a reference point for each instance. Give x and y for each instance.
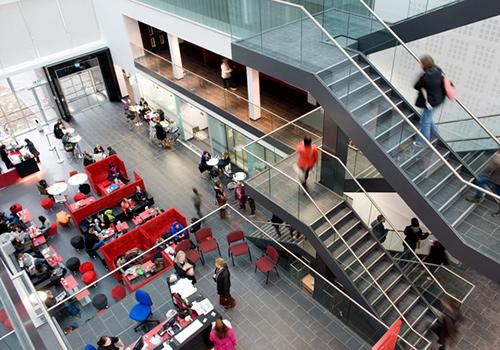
(9, 177)
(98, 173)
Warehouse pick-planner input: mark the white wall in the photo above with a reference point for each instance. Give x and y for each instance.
(118, 30)
(38, 32)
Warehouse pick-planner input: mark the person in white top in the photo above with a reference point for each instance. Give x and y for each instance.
(226, 74)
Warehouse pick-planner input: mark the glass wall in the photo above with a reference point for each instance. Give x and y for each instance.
(201, 130)
(25, 101)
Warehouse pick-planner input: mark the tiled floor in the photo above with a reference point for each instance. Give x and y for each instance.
(169, 175)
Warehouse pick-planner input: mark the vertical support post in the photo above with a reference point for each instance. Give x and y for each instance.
(175, 55)
(335, 142)
(253, 87)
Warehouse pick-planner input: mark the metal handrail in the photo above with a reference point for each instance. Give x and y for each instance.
(227, 205)
(340, 237)
(225, 91)
(468, 120)
(382, 93)
(402, 43)
(369, 198)
(473, 286)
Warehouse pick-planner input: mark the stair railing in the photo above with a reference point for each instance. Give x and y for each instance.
(391, 103)
(323, 214)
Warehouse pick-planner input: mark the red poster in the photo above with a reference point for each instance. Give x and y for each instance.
(389, 339)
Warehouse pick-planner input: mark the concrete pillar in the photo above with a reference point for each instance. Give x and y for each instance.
(253, 87)
(175, 55)
(335, 142)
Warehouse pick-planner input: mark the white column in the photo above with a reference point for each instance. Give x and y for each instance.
(253, 87)
(175, 55)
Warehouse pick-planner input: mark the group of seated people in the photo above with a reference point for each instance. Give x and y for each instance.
(223, 164)
(98, 154)
(17, 230)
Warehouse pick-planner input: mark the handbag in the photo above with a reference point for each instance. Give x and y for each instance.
(449, 89)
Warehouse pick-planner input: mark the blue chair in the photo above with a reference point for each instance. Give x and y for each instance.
(142, 311)
(89, 347)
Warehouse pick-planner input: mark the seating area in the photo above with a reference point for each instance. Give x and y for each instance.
(98, 174)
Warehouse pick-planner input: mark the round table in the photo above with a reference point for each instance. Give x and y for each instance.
(75, 139)
(78, 179)
(239, 176)
(69, 130)
(57, 188)
(213, 161)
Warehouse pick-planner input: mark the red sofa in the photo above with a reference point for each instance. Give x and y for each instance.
(108, 201)
(9, 177)
(159, 225)
(98, 173)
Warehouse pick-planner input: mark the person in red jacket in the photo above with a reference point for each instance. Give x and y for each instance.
(308, 157)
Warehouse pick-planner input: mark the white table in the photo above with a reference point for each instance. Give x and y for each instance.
(57, 190)
(78, 179)
(75, 139)
(239, 176)
(68, 130)
(213, 161)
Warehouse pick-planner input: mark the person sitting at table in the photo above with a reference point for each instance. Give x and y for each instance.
(111, 151)
(51, 299)
(87, 158)
(109, 214)
(59, 129)
(110, 343)
(203, 166)
(175, 229)
(127, 206)
(42, 186)
(98, 149)
(92, 242)
(28, 261)
(224, 161)
(40, 271)
(103, 221)
(20, 236)
(161, 114)
(161, 134)
(140, 196)
(44, 224)
(183, 267)
(132, 254)
(145, 109)
(114, 173)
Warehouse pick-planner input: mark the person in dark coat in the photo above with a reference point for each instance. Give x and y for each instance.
(223, 279)
(31, 147)
(58, 129)
(446, 327)
(413, 233)
(431, 95)
(161, 134)
(5, 157)
(379, 229)
(437, 256)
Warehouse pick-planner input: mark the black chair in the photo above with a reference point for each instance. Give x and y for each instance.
(73, 264)
(77, 243)
(100, 301)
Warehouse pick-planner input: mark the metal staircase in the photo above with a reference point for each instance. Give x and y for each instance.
(436, 179)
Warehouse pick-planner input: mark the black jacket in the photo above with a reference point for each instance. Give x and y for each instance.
(223, 280)
(413, 237)
(160, 132)
(90, 241)
(437, 255)
(432, 82)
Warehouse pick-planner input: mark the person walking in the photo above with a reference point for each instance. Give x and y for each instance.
(492, 181)
(379, 229)
(308, 157)
(223, 279)
(31, 147)
(437, 256)
(446, 327)
(431, 94)
(413, 234)
(226, 74)
(197, 202)
(222, 336)
(241, 196)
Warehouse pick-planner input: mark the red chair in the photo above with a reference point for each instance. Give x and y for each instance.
(86, 267)
(4, 319)
(47, 203)
(15, 208)
(73, 172)
(89, 277)
(52, 230)
(238, 248)
(268, 262)
(118, 292)
(79, 196)
(206, 242)
(185, 246)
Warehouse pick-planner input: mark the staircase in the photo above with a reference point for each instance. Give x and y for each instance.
(350, 250)
(370, 109)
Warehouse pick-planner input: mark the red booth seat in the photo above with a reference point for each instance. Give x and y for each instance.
(108, 201)
(161, 224)
(98, 173)
(8, 177)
